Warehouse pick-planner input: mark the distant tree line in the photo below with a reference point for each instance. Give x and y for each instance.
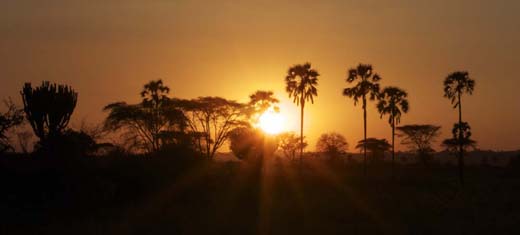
(205, 124)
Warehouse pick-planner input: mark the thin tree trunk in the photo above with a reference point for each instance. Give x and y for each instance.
(393, 145)
(461, 146)
(208, 139)
(301, 133)
(365, 136)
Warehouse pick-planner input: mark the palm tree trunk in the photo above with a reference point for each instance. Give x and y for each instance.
(208, 139)
(393, 145)
(365, 136)
(461, 147)
(301, 133)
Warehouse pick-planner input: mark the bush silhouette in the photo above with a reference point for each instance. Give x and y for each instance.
(11, 118)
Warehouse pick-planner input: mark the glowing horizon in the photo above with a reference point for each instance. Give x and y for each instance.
(107, 50)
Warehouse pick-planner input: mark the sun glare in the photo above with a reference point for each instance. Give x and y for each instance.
(271, 122)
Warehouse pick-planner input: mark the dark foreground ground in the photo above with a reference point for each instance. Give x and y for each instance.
(163, 195)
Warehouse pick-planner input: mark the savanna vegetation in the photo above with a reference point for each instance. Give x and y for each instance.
(153, 167)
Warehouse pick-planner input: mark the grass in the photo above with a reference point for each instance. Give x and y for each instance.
(166, 195)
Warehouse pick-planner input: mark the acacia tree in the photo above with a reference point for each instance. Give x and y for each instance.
(211, 119)
(419, 139)
(290, 143)
(455, 85)
(9, 119)
(452, 144)
(301, 82)
(151, 124)
(393, 102)
(377, 147)
(367, 85)
(332, 144)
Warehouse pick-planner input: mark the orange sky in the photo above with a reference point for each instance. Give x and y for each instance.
(108, 49)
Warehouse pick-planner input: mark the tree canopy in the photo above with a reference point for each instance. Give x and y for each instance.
(452, 144)
(156, 121)
(12, 117)
(211, 119)
(290, 143)
(332, 144)
(249, 143)
(375, 146)
(457, 83)
(419, 138)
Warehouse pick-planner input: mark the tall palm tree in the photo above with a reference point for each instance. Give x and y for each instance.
(301, 82)
(155, 97)
(393, 102)
(455, 85)
(367, 85)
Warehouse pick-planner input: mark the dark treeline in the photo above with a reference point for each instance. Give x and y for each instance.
(205, 124)
(151, 167)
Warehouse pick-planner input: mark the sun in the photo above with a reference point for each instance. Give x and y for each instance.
(271, 122)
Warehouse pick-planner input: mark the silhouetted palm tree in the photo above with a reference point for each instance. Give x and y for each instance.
(155, 122)
(367, 84)
(301, 82)
(392, 101)
(155, 91)
(155, 97)
(456, 84)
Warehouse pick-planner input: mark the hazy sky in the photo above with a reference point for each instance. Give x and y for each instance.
(108, 49)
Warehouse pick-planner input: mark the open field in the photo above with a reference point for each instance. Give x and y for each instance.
(165, 195)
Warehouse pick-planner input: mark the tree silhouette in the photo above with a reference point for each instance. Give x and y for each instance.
(155, 93)
(48, 108)
(78, 143)
(211, 119)
(455, 85)
(393, 102)
(290, 143)
(24, 139)
(165, 120)
(247, 143)
(452, 144)
(419, 138)
(301, 82)
(11, 118)
(259, 102)
(367, 85)
(377, 147)
(243, 142)
(152, 123)
(332, 144)
(262, 100)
